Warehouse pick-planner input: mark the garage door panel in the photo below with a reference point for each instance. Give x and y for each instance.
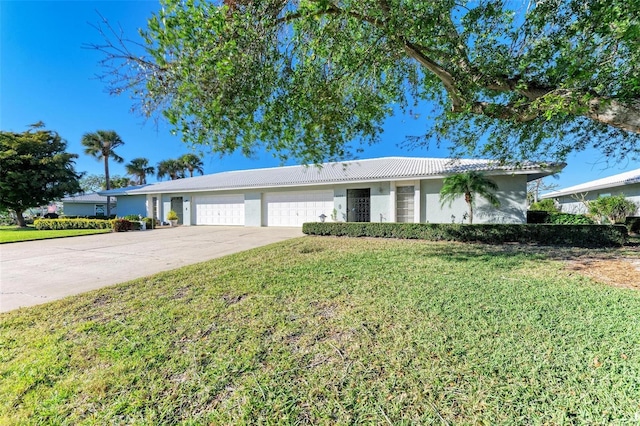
(296, 208)
(219, 210)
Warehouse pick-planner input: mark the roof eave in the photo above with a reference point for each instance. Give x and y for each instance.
(564, 193)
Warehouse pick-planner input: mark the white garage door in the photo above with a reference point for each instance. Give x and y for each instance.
(296, 208)
(219, 210)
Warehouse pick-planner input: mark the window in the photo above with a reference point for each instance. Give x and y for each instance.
(405, 203)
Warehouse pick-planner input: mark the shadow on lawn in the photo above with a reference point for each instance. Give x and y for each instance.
(460, 252)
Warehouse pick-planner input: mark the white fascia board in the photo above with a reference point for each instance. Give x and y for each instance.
(584, 190)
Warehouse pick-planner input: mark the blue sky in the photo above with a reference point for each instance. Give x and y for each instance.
(45, 74)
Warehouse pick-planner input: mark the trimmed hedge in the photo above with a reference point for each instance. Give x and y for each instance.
(633, 224)
(118, 225)
(101, 217)
(557, 218)
(543, 234)
(57, 224)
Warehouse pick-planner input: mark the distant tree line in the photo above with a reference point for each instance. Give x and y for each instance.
(35, 168)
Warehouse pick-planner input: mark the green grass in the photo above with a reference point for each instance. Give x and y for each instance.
(332, 331)
(13, 234)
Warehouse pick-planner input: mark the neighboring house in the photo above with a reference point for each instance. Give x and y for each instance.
(92, 204)
(392, 189)
(572, 199)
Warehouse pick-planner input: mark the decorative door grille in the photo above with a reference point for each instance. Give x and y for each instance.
(359, 205)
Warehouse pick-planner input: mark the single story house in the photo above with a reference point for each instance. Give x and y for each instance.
(390, 189)
(92, 204)
(571, 199)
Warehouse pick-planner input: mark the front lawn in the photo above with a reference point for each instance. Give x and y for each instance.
(332, 330)
(13, 234)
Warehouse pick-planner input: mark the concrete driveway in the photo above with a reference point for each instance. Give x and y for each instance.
(36, 272)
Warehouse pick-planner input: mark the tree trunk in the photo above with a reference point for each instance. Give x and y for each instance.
(469, 199)
(108, 184)
(20, 218)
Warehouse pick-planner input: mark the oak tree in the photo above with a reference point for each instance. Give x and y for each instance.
(35, 169)
(306, 78)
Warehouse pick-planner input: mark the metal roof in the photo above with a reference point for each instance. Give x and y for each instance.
(370, 170)
(626, 178)
(88, 198)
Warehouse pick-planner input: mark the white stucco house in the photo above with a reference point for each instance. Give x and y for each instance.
(571, 199)
(391, 189)
(92, 204)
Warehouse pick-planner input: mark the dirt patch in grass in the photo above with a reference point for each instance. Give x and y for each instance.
(615, 267)
(623, 272)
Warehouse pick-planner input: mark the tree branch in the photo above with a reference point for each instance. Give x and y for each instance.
(330, 10)
(625, 116)
(445, 76)
(609, 111)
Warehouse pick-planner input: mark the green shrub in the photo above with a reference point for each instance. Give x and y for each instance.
(615, 208)
(569, 219)
(172, 215)
(149, 222)
(544, 234)
(537, 216)
(633, 224)
(121, 225)
(547, 205)
(57, 224)
(102, 217)
(135, 219)
(557, 218)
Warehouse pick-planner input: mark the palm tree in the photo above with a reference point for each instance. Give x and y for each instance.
(469, 185)
(172, 168)
(192, 163)
(101, 145)
(139, 168)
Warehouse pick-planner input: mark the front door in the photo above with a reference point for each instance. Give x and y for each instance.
(176, 206)
(359, 205)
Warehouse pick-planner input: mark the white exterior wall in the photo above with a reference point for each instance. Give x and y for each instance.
(511, 193)
(340, 202)
(253, 209)
(427, 207)
(381, 202)
(570, 204)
